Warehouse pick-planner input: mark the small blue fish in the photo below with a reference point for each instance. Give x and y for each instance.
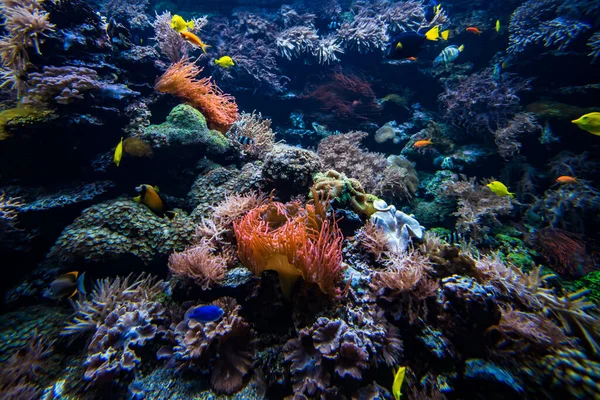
(206, 313)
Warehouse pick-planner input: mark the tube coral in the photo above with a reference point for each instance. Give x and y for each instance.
(220, 109)
(294, 241)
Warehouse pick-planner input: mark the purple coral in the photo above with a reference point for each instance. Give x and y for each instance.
(541, 21)
(481, 103)
(229, 342)
(351, 345)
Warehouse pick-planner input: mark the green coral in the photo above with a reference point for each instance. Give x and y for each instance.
(513, 250)
(591, 282)
(122, 228)
(20, 116)
(186, 126)
(347, 191)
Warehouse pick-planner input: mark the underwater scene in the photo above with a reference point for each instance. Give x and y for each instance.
(306, 199)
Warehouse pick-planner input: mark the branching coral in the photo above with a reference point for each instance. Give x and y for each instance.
(538, 21)
(295, 241)
(344, 154)
(180, 80)
(365, 34)
(26, 22)
(169, 42)
(480, 103)
(252, 126)
(200, 264)
(132, 11)
(296, 41)
(228, 343)
(478, 207)
(506, 137)
(594, 44)
(347, 96)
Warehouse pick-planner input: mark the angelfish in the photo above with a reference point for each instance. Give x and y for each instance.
(66, 285)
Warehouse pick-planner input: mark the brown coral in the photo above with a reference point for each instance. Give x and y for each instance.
(200, 264)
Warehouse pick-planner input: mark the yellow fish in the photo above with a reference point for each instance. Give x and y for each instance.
(118, 153)
(150, 197)
(500, 189)
(498, 26)
(224, 62)
(179, 25)
(397, 385)
(589, 122)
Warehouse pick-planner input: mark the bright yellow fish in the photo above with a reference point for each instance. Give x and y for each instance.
(498, 26)
(179, 25)
(589, 122)
(224, 62)
(397, 385)
(118, 153)
(500, 189)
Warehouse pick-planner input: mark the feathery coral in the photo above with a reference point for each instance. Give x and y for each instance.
(180, 80)
(200, 264)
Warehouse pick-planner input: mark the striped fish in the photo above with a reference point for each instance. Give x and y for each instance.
(448, 55)
(245, 140)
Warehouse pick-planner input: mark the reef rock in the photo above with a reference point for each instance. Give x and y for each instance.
(290, 169)
(115, 229)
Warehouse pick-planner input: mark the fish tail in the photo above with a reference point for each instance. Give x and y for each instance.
(433, 33)
(190, 24)
(446, 34)
(461, 48)
(137, 199)
(512, 195)
(204, 46)
(80, 284)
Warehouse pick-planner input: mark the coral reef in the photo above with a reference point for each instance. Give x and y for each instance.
(121, 229)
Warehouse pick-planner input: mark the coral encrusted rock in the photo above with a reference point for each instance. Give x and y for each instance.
(114, 229)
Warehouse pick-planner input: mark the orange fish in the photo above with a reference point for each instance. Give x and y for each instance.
(474, 30)
(193, 39)
(412, 58)
(566, 179)
(423, 143)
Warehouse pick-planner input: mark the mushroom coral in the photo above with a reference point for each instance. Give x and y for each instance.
(293, 240)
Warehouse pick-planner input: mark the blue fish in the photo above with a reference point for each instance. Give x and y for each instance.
(206, 313)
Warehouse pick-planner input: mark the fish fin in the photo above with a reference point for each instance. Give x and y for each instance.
(446, 34)
(74, 293)
(433, 34)
(137, 199)
(156, 189)
(190, 24)
(80, 284)
(461, 47)
(512, 195)
(399, 45)
(204, 46)
(74, 273)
